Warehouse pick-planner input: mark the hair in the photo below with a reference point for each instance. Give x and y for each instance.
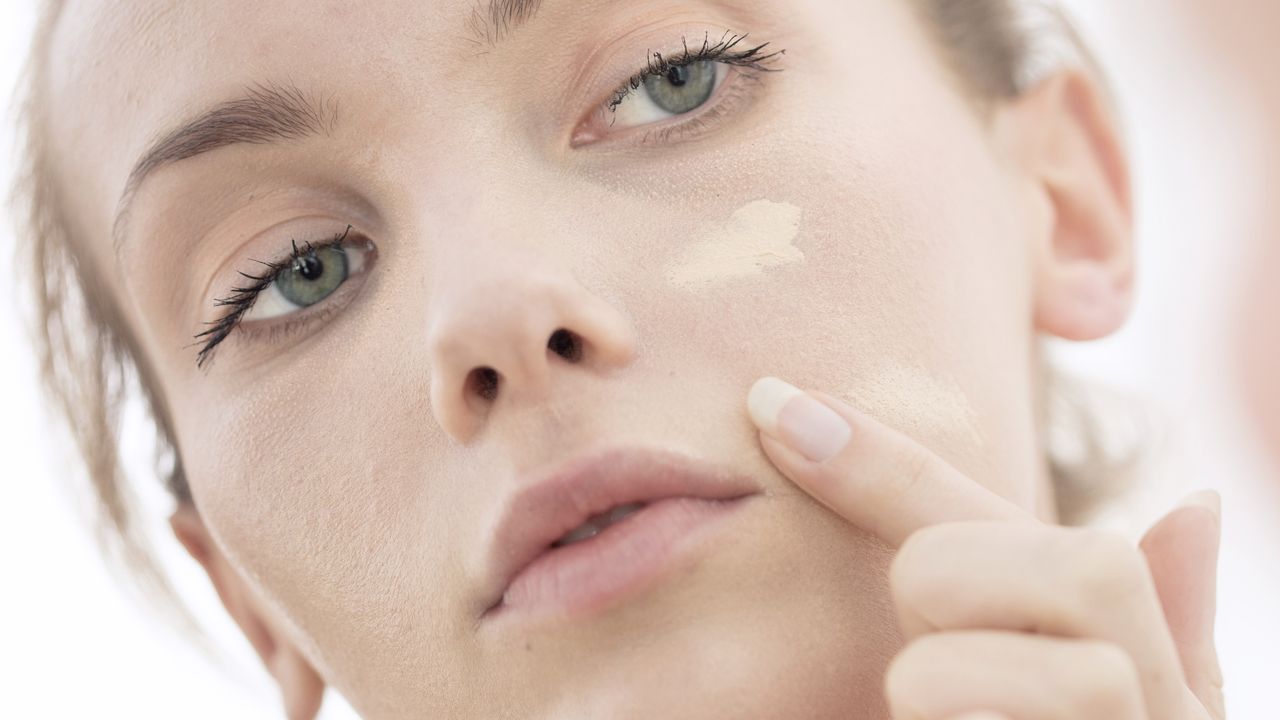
(92, 366)
(983, 41)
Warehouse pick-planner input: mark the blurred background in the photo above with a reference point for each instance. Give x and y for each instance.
(1199, 87)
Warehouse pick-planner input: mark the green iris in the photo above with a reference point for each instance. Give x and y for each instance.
(682, 88)
(313, 276)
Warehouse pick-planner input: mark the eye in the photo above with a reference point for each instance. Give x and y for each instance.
(306, 277)
(685, 94)
(309, 278)
(678, 90)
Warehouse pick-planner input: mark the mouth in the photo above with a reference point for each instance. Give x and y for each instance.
(586, 535)
(596, 523)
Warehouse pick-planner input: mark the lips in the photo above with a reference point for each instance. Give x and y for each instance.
(557, 510)
(597, 523)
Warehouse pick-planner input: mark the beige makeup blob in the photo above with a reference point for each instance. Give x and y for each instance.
(918, 402)
(757, 236)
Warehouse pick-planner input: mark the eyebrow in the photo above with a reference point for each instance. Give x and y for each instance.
(270, 113)
(492, 20)
(265, 114)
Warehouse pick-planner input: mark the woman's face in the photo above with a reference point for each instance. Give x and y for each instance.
(848, 223)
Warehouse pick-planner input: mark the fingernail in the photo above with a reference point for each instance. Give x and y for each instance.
(806, 425)
(1207, 499)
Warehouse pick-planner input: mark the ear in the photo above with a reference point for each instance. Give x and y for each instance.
(1068, 146)
(301, 687)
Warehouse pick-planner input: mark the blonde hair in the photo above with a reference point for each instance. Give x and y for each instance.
(91, 364)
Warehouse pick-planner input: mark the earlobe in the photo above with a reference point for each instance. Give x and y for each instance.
(1082, 301)
(1071, 151)
(301, 687)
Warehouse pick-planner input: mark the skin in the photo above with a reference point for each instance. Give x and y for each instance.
(345, 476)
(1005, 615)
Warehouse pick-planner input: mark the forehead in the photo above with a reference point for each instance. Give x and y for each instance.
(150, 63)
(112, 36)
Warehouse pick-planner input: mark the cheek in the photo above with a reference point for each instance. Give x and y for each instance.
(305, 476)
(885, 267)
(894, 283)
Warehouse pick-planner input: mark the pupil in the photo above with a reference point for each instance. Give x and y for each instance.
(678, 76)
(309, 267)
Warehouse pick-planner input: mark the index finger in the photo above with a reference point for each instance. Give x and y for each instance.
(872, 475)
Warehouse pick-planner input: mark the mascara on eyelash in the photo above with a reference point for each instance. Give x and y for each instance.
(722, 51)
(243, 298)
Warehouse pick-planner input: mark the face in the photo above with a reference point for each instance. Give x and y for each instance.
(849, 223)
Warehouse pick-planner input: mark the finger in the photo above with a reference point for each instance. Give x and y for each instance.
(1182, 551)
(1014, 675)
(1065, 582)
(875, 477)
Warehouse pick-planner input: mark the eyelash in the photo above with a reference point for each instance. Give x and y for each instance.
(241, 299)
(752, 59)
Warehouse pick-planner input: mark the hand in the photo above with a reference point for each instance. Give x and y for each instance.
(1007, 616)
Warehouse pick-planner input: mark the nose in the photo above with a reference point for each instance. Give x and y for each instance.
(500, 335)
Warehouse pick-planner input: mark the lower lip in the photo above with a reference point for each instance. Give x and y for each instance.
(624, 558)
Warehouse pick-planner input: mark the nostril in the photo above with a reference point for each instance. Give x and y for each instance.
(484, 382)
(566, 345)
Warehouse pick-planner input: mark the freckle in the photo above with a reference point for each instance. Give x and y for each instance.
(528, 647)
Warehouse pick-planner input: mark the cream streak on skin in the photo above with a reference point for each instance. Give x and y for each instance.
(927, 405)
(757, 236)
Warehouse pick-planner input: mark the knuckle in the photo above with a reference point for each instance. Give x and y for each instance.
(912, 469)
(1107, 683)
(912, 672)
(912, 575)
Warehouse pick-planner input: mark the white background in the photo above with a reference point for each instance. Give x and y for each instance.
(73, 645)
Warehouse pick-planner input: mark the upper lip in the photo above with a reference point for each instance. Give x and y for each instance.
(551, 503)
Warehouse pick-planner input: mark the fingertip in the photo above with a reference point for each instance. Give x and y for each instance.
(766, 399)
(799, 419)
(1210, 500)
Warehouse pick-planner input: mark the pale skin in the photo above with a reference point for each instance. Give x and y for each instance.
(345, 474)
(1007, 616)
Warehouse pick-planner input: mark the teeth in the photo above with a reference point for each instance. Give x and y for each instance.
(584, 531)
(623, 510)
(593, 526)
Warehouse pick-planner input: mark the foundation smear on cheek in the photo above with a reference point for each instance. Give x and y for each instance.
(924, 404)
(759, 235)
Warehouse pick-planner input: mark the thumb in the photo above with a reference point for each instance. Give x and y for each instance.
(1182, 552)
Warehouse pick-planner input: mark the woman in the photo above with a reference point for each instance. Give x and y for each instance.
(426, 296)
